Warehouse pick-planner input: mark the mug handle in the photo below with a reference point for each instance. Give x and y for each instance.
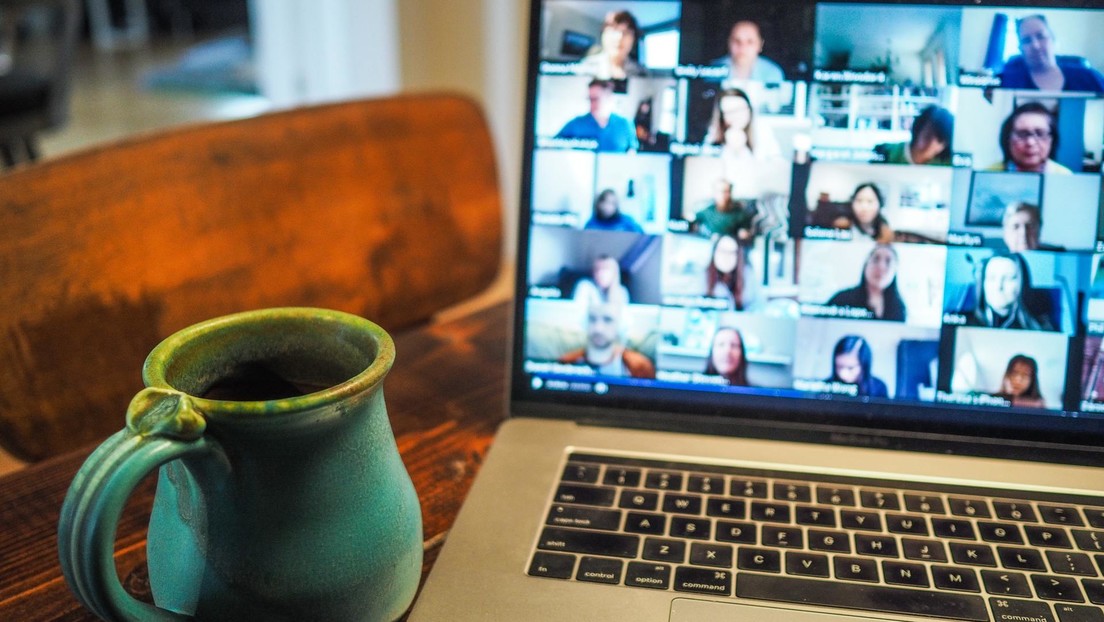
(162, 426)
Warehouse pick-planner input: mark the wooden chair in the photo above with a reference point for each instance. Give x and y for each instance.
(38, 40)
(386, 208)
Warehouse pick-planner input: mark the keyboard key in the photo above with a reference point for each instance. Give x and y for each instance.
(715, 555)
(1003, 583)
(1013, 609)
(1095, 517)
(617, 476)
(733, 531)
(592, 542)
(834, 541)
(763, 560)
(703, 581)
(654, 576)
(725, 508)
(1004, 533)
(927, 504)
(584, 495)
(696, 528)
(904, 573)
(770, 512)
(971, 508)
(786, 537)
(953, 528)
(583, 517)
(813, 515)
(856, 569)
(1089, 540)
(663, 480)
(706, 484)
(806, 564)
(1021, 559)
(1071, 563)
(863, 521)
(552, 565)
(882, 546)
(957, 579)
(1060, 515)
(907, 524)
(638, 500)
(671, 551)
(1078, 613)
(1050, 537)
(1050, 587)
(599, 570)
(1094, 589)
(750, 488)
(828, 495)
(797, 493)
(582, 473)
(1015, 510)
(895, 600)
(880, 499)
(924, 550)
(682, 504)
(972, 554)
(641, 522)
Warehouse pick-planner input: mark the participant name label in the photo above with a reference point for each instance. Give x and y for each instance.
(964, 239)
(848, 75)
(825, 386)
(978, 399)
(851, 313)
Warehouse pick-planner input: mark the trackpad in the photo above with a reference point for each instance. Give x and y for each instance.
(690, 610)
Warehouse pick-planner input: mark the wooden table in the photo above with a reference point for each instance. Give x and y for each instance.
(445, 395)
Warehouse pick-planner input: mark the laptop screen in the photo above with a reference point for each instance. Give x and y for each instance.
(877, 216)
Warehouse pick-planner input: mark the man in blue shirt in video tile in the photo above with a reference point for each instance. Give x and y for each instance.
(612, 131)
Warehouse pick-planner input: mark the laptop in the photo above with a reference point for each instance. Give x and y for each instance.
(808, 319)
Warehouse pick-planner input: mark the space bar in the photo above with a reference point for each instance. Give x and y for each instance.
(861, 596)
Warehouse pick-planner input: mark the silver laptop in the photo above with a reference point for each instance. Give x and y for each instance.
(808, 319)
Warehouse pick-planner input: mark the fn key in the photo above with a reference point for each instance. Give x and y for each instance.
(553, 565)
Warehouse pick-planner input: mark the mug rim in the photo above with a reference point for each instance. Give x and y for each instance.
(157, 363)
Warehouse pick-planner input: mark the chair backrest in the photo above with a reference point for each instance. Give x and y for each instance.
(387, 208)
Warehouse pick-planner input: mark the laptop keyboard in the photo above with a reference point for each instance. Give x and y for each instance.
(943, 551)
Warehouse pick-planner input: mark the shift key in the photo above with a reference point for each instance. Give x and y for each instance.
(590, 542)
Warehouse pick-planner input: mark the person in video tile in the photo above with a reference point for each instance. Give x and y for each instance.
(1005, 298)
(607, 215)
(1020, 384)
(745, 60)
(865, 215)
(877, 289)
(1040, 67)
(1028, 140)
(724, 215)
(604, 284)
(615, 57)
(932, 132)
(727, 357)
(1020, 227)
(851, 362)
(604, 351)
(612, 131)
(724, 278)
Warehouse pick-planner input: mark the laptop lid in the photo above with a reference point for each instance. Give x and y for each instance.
(850, 222)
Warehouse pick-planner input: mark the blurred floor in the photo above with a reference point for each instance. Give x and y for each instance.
(109, 101)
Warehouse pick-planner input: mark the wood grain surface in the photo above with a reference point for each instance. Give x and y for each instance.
(445, 396)
(385, 208)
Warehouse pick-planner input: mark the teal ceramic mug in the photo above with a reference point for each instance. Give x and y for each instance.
(281, 494)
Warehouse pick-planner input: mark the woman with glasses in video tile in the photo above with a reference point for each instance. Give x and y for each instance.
(1029, 140)
(852, 360)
